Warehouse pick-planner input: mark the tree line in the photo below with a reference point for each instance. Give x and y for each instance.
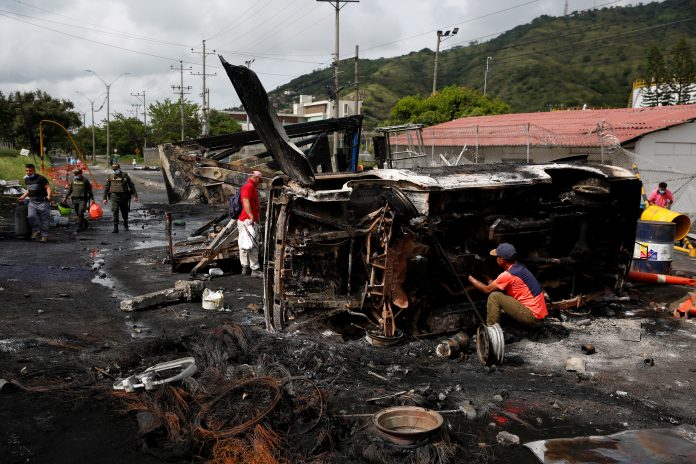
(21, 113)
(671, 79)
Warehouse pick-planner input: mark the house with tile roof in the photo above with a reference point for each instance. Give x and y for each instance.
(660, 140)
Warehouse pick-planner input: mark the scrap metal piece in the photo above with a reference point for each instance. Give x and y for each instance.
(453, 345)
(407, 426)
(186, 290)
(648, 446)
(152, 376)
(291, 159)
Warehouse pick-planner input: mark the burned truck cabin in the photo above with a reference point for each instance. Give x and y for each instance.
(387, 246)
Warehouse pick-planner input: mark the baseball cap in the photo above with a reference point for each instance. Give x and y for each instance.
(256, 173)
(505, 251)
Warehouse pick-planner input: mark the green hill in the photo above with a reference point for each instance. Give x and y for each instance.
(589, 57)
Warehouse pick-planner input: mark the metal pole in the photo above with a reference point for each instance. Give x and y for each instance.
(357, 80)
(181, 98)
(108, 140)
(485, 75)
(334, 160)
(528, 143)
(437, 57)
(205, 108)
(94, 153)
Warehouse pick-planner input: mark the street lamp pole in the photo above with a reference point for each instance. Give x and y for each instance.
(441, 36)
(485, 75)
(337, 6)
(91, 102)
(108, 109)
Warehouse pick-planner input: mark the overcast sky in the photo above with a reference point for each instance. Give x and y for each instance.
(48, 44)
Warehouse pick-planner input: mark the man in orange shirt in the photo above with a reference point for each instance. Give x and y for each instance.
(248, 223)
(661, 196)
(523, 299)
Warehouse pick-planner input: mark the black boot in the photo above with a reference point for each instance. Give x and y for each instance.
(125, 225)
(115, 231)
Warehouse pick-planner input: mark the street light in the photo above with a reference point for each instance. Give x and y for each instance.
(485, 75)
(441, 36)
(108, 113)
(91, 102)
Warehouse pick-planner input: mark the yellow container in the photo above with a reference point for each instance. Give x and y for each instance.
(655, 213)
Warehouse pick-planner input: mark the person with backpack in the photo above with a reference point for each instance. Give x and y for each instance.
(248, 224)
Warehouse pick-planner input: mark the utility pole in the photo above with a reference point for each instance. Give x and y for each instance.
(138, 95)
(565, 9)
(181, 90)
(485, 75)
(136, 110)
(205, 129)
(91, 103)
(337, 6)
(357, 80)
(441, 36)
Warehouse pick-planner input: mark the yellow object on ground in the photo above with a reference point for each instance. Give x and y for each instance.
(655, 213)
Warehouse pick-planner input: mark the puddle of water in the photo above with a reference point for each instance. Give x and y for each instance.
(107, 282)
(150, 244)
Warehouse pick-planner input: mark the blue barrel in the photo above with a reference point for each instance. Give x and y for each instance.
(654, 246)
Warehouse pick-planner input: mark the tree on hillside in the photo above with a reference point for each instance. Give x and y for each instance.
(165, 121)
(450, 103)
(23, 112)
(222, 123)
(126, 134)
(682, 73)
(658, 92)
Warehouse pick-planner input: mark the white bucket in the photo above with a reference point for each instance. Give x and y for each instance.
(213, 300)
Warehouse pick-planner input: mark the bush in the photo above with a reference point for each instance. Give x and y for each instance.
(12, 164)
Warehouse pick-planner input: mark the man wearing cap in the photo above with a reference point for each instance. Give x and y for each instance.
(81, 192)
(248, 223)
(39, 193)
(119, 187)
(661, 196)
(523, 298)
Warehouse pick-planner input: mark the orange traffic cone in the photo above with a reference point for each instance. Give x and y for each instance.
(687, 308)
(649, 278)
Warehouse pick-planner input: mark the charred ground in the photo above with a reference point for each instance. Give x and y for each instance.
(62, 337)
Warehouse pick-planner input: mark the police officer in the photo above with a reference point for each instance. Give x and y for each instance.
(119, 187)
(81, 192)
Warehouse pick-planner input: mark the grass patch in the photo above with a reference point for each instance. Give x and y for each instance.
(12, 164)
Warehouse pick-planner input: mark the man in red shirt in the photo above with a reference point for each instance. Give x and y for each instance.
(661, 196)
(523, 298)
(248, 226)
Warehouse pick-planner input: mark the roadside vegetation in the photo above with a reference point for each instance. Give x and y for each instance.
(12, 164)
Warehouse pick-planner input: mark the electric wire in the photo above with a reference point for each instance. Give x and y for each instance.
(233, 23)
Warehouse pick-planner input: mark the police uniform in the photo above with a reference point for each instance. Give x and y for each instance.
(120, 188)
(81, 192)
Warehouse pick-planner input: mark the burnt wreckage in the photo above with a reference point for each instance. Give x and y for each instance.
(390, 247)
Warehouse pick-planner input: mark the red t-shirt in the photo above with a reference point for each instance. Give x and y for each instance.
(250, 193)
(518, 289)
(661, 199)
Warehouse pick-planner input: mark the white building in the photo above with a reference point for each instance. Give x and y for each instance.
(313, 110)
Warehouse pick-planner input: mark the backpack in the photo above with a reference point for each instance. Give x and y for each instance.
(235, 203)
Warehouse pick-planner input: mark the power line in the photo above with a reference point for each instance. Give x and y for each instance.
(239, 19)
(261, 35)
(451, 25)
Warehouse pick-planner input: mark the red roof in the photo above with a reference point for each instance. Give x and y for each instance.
(565, 128)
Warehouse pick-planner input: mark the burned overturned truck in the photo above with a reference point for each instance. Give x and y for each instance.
(390, 247)
(393, 245)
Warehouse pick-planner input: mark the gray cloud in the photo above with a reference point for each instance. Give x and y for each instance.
(49, 44)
